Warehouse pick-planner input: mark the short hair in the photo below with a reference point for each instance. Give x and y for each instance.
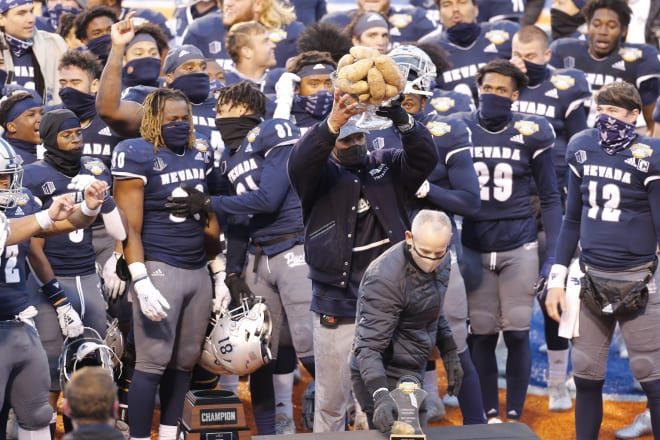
(154, 104)
(157, 33)
(8, 103)
(91, 394)
(244, 92)
(531, 33)
(83, 19)
(621, 94)
(85, 61)
(309, 59)
(66, 22)
(506, 68)
(239, 36)
(275, 14)
(438, 220)
(620, 7)
(324, 37)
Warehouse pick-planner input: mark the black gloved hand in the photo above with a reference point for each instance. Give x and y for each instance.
(396, 113)
(237, 288)
(184, 206)
(385, 410)
(454, 371)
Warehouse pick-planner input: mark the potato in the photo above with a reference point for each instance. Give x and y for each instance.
(402, 428)
(356, 71)
(390, 71)
(390, 91)
(361, 52)
(364, 98)
(346, 60)
(353, 88)
(376, 84)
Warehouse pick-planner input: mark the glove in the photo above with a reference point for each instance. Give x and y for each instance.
(540, 286)
(285, 87)
(237, 288)
(70, 322)
(222, 295)
(385, 410)
(114, 286)
(423, 190)
(189, 205)
(81, 182)
(397, 114)
(5, 231)
(454, 371)
(152, 303)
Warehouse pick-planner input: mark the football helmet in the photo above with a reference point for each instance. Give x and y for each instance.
(115, 340)
(421, 70)
(11, 164)
(238, 340)
(86, 350)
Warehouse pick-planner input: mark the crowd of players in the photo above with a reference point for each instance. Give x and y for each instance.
(224, 130)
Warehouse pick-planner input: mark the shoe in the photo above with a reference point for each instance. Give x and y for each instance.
(558, 397)
(451, 401)
(492, 420)
(435, 409)
(12, 425)
(570, 384)
(284, 425)
(639, 427)
(361, 423)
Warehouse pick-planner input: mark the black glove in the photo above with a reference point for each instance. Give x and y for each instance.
(385, 410)
(193, 203)
(454, 372)
(237, 288)
(397, 114)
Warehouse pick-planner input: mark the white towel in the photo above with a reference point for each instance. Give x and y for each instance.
(569, 324)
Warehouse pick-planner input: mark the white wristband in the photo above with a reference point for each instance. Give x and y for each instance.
(557, 277)
(89, 212)
(138, 270)
(44, 220)
(218, 264)
(378, 391)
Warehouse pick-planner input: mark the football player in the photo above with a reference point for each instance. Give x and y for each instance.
(20, 115)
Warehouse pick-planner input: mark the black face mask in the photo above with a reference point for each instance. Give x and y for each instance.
(82, 104)
(536, 72)
(100, 46)
(564, 25)
(141, 72)
(195, 86)
(463, 34)
(66, 162)
(233, 130)
(494, 111)
(353, 156)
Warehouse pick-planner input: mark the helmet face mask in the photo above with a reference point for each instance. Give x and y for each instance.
(86, 350)
(11, 169)
(421, 70)
(115, 340)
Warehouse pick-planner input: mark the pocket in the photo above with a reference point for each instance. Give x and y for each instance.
(322, 248)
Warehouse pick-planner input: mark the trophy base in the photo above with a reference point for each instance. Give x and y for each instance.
(407, 436)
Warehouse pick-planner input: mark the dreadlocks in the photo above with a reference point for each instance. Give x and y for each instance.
(243, 93)
(152, 120)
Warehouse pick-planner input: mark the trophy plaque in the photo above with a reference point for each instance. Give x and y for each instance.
(408, 396)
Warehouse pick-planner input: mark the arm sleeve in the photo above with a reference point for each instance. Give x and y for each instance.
(648, 91)
(462, 197)
(654, 194)
(418, 158)
(576, 121)
(237, 236)
(546, 183)
(532, 12)
(569, 234)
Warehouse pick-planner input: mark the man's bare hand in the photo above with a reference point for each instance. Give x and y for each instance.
(123, 31)
(343, 108)
(61, 208)
(95, 194)
(555, 302)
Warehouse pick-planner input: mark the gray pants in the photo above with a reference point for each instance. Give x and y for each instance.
(455, 306)
(176, 341)
(283, 283)
(23, 362)
(84, 293)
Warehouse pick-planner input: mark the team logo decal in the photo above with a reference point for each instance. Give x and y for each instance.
(497, 36)
(581, 156)
(252, 134)
(48, 188)
(438, 128)
(562, 82)
(641, 151)
(159, 164)
(201, 145)
(278, 35)
(443, 103)
(400, 20)
(630, 54)
(23, 199)
(215, 47)
(95, 167)
(526, 128)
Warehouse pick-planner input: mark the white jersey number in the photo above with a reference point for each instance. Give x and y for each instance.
(611, 195)
(502, 181)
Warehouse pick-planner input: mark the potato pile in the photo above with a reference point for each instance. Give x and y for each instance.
(370, 76)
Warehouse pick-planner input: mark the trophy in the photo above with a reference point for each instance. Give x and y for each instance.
(408, 396)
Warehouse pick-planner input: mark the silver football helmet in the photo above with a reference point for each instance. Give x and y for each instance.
(238, 342)
(85, 350)
(11, 164)
(115, 340)
(421, 70)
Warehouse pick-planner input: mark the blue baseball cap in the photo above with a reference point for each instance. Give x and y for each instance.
(6, 5)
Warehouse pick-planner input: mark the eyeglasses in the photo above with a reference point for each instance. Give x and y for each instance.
(426, 257)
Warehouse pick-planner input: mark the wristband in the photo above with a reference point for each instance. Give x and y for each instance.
(557, 277)
(378, 391)
(138, 271)
(44, 220)
(90, 212)
(218, 264)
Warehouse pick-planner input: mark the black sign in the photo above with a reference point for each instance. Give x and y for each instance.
(219, 436)
(222, 416)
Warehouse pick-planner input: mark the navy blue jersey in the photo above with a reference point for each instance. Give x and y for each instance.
(148, 16)
(184, 15)
(99, 140)
(505, 162)
(26, 150)
(613, 202)
(24, 71)
(172, 241)
(406, 23)
(656, 111)
(208, 35)
(493, 42)
(447, 102)
(494, 10)
(633, 63)
(13, 293)
(71, 254)
(309, 11)
(260, 185)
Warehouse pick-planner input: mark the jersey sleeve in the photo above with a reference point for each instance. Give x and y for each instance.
(270, 134)
(95, 167)
(572, 87)
(132, 159)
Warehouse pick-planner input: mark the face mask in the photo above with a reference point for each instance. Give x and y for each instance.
(82, 104)
(234, 130)
(463, 34)
(535, 72)
(615, 134)
(143, 72)
(564, 25)
(176, 135)
(17, 46)
(66, 162)
(317, 105)
(100, 46)
(195, 86)
(353, 156)
(56, 12)
(494, 111)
